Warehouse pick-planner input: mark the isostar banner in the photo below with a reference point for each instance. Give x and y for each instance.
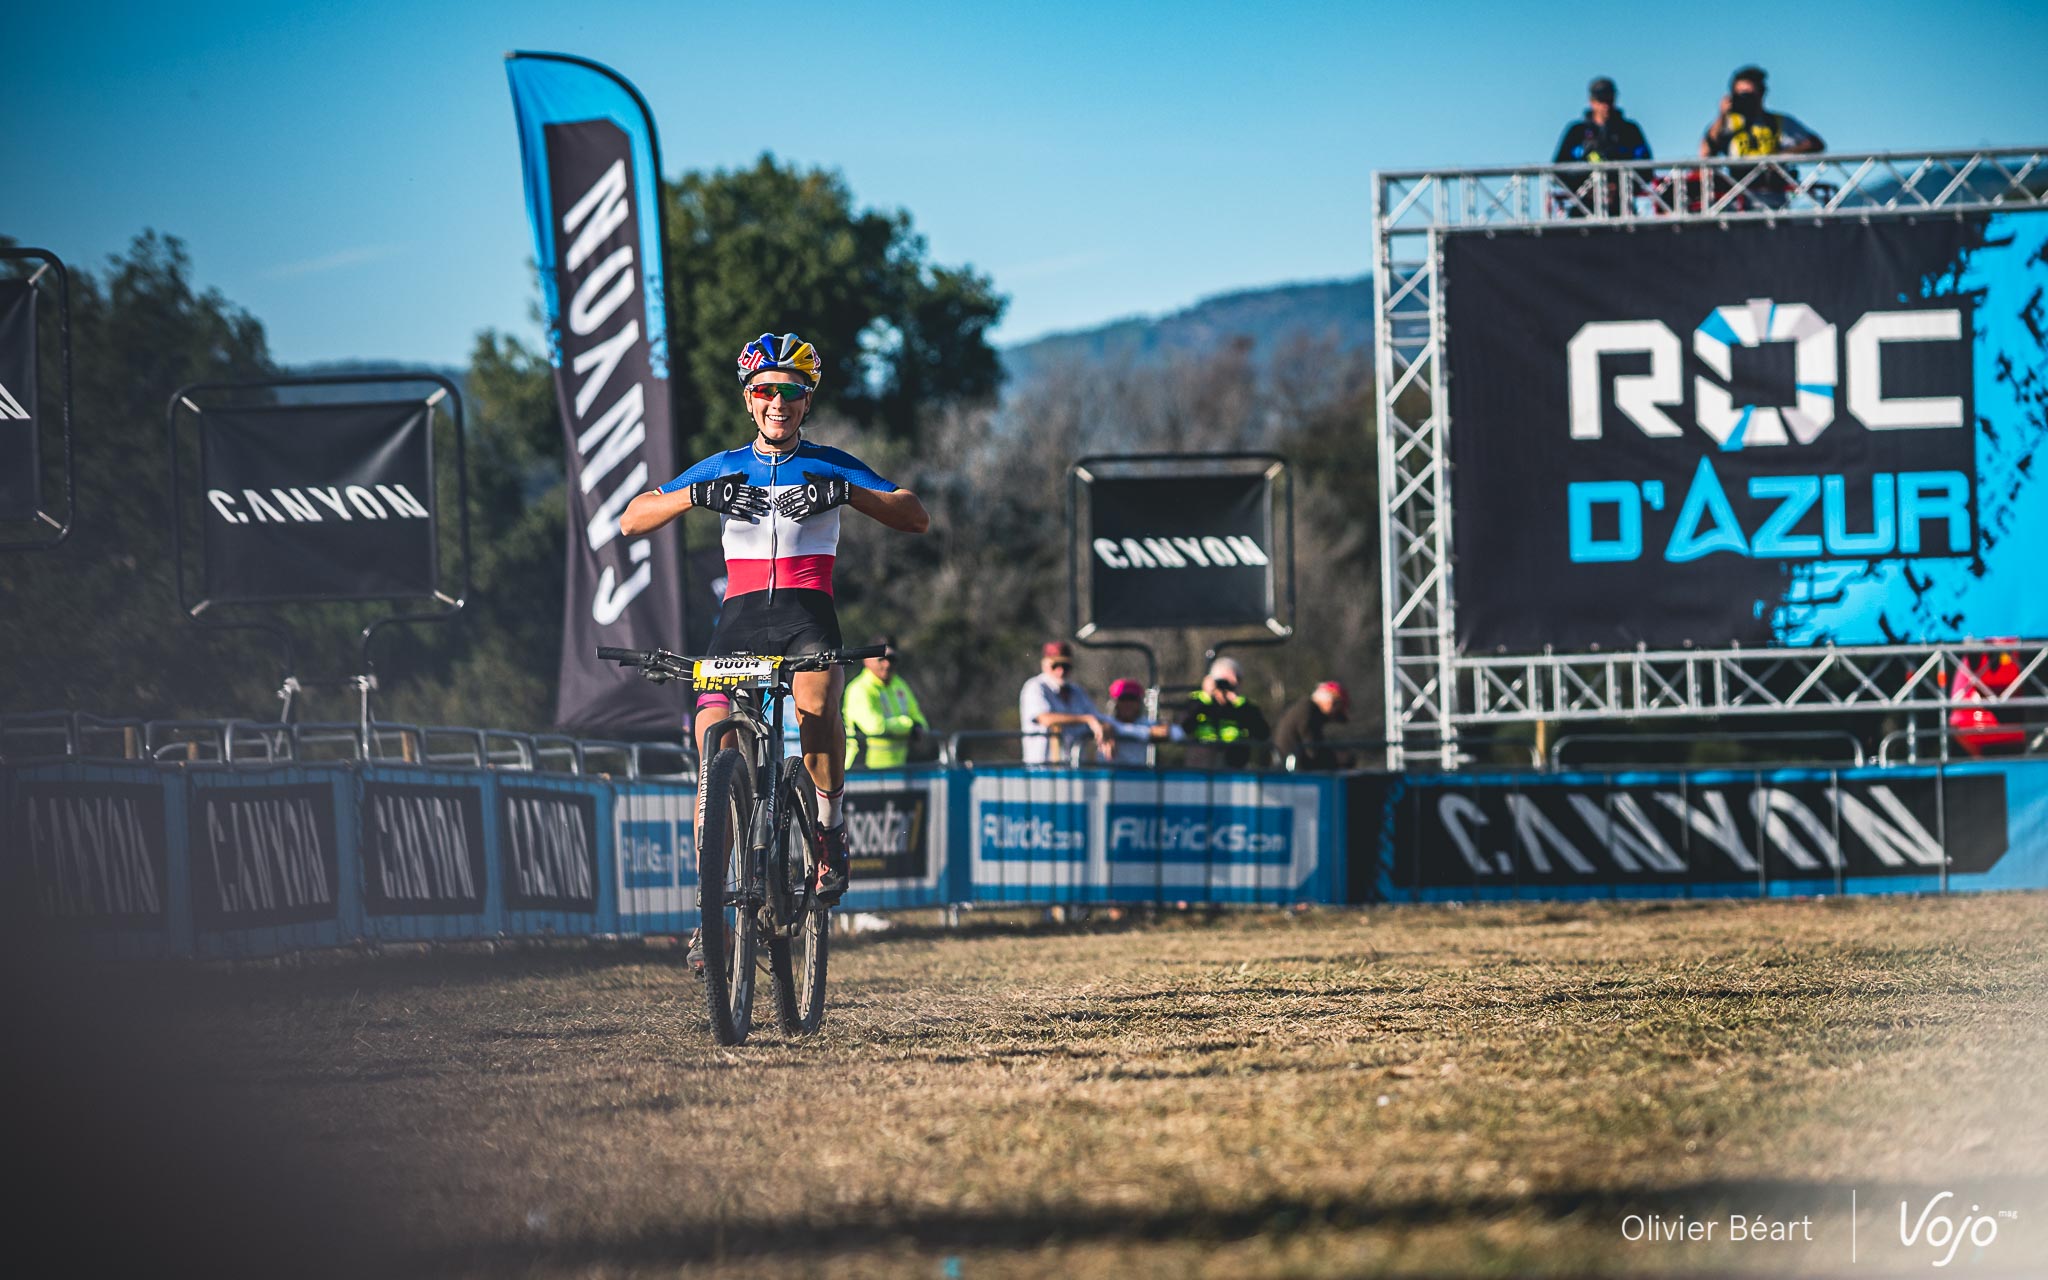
(594, 194)
(1191, 550)
(317, 502)
(20, 464)
(1754, 435)
(888, 833)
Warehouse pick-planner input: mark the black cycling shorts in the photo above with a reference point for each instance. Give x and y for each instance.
(800, 620)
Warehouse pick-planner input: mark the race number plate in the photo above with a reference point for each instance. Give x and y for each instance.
(732, 673)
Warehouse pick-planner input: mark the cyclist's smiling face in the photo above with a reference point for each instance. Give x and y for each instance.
(779, 421)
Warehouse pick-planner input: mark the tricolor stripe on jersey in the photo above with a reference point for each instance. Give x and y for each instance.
(779, 552)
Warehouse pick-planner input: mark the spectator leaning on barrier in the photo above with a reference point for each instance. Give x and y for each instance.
(1221, 722)
(1602, 134)
(1745, 128)
(1298, 734)
(1050, 704)
(883, 720)
(1129, 731)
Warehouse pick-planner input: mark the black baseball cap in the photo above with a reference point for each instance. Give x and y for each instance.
(1601, 88)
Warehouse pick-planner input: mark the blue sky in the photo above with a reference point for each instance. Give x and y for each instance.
(350, 173)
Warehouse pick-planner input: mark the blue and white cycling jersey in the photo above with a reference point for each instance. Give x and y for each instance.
(780, 552)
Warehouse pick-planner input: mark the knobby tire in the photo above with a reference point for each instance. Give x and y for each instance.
(728, 932)
(797, 963)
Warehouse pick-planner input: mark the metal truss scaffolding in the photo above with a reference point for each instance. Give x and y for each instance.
(1431, 689)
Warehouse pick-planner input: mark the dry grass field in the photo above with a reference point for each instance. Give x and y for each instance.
(1477, 1091)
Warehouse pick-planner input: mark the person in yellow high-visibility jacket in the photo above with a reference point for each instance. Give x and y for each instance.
(881, 714)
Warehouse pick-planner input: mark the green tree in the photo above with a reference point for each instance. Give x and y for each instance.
(775, 248)
(495, 664)
(94, 624)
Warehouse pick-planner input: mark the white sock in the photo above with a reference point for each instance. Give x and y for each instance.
(828, 807)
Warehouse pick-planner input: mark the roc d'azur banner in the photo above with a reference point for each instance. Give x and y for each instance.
(1757, 435)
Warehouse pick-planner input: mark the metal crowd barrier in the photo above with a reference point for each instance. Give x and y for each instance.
(56, 735)
(75, 735)
(2036, 743)
(1854, 756)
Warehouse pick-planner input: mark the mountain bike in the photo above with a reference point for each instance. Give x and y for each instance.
(757, 841)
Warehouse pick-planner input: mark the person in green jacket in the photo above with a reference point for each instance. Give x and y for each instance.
(881, 713)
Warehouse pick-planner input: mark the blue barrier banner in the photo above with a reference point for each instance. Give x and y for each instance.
(93, 853)
(1710, 833)
(654, 839)
(1057, 836)
(2025, 861)
(264, 855)
(261, 861)
(548, 848)
(423, 848)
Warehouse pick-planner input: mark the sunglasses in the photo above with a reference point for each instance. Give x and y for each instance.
(770, 390)
(1062, 666)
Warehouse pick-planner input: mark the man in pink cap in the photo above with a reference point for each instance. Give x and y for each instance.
(1054, 710)
(1130, 731)
(1298, 737)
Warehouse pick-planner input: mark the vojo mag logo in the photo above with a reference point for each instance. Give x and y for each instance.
(1947, 1231)
(1829, 366)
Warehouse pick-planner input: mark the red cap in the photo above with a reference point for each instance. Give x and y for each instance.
(1057, 649)
(1126, 688)
(1340, 700)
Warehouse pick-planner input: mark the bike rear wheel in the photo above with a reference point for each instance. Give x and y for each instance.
(726, 893)
(796, 952)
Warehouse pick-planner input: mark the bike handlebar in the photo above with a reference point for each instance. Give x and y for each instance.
(661, 663)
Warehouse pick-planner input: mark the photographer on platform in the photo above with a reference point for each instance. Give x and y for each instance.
(1745, 127)
(1601, 135)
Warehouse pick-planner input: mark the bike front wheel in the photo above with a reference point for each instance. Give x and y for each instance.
(727, 894)
(796, 951)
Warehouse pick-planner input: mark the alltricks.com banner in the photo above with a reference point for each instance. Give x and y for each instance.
(593, 191)
(1756, 435)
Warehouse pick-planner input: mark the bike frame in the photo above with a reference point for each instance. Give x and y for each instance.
(762, 750)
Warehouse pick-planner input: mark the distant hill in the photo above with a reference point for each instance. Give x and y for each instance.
(1339, 309)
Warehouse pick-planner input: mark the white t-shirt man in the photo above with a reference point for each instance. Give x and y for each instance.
(1051, 693)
